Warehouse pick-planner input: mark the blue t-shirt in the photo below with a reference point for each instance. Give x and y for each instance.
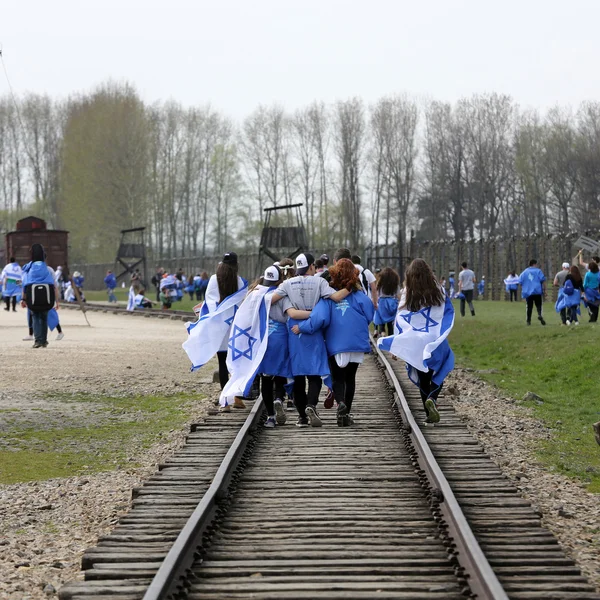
(531, 280)
(591, 280)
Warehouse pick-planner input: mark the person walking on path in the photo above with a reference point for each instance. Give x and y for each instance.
(532, 289)
(466, 285)
(559, 282)
(308, 354)
(590, 286)
(572, 292)
(346, 328)
(40, 296)
(388, 291)
(10, 283)
(512, 285)
(110, 281)
(425, 318)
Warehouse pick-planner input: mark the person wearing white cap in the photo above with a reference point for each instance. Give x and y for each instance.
(559, 282)
(275, 366)
(308, 354)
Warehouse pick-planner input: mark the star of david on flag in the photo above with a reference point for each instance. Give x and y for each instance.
(242, 335)
(230, 320)
(420, 320)
(248, 340)
(420, 337)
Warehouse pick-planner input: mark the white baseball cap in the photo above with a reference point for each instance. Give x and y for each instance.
(271, 274)
(566, 265)
(303, 261)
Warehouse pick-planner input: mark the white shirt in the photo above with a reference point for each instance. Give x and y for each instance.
(368, 276)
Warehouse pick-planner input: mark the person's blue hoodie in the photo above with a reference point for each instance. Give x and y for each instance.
(531, 280)
(345, 323)
(110, 281)
(37, 272)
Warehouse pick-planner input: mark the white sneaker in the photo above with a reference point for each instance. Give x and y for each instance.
(60, 336)
(568, 322)
(28, 338)
(576, 322)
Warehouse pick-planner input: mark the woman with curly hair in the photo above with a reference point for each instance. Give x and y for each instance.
(425, 318)
(388, 291)
(346, 329)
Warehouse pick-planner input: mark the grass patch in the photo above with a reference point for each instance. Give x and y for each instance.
(121, 294)
(128, 426)
(556, 363)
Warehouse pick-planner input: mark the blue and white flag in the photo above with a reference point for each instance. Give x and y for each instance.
(209, 331)
(420, 339)
(11, 279)
(131, 300)
(52, 319)
(248, 342)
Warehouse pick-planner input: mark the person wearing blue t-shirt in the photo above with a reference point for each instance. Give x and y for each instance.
(532, 289)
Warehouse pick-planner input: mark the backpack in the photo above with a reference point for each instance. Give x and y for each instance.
(568, 288)
(365, 283)
(40, 297)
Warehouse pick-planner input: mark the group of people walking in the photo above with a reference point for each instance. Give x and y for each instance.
(36, 287)
(297, 328)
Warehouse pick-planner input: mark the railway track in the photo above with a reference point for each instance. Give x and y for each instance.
(176, 315)
(360, 512)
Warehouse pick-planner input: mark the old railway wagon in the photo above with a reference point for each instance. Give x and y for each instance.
(32, 230)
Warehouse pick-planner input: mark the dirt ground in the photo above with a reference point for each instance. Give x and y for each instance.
(45, 526)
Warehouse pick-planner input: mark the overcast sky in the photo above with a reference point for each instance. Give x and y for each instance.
(236, 54)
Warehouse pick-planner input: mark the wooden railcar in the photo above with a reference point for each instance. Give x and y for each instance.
(32, 230)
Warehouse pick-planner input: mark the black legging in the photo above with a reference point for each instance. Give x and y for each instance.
(513, 294)
(14, 302)
(266, 389)
(344, 381)
(389, 326)
(593, 313)
(223, 372)
(300, 397)
(427, 388)
(531, 300)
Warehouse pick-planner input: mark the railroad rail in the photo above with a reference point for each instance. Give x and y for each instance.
(358, 512)
(177, 315)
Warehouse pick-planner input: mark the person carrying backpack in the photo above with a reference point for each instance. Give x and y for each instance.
(39, 294)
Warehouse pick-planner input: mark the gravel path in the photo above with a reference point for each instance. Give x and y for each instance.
(508, 432)
(46, 526)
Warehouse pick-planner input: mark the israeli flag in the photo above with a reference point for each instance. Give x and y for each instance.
(420, 340)
(52, 319)
(131, 300)
(209, 331)
(11, 278)
(248, 342)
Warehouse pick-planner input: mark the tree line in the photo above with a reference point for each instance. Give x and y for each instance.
(105, 160)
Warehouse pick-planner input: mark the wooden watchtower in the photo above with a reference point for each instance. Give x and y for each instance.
(283, 233)
(131, 253)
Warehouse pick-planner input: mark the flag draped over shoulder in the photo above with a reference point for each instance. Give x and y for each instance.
(11, 280)
(420, 340)
(131, 300)
(207, 333)
(247, 343)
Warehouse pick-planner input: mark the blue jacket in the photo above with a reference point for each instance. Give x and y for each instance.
(37, 272)
(78, 281)
(110, 281)
(531, 280)
(346, 323)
